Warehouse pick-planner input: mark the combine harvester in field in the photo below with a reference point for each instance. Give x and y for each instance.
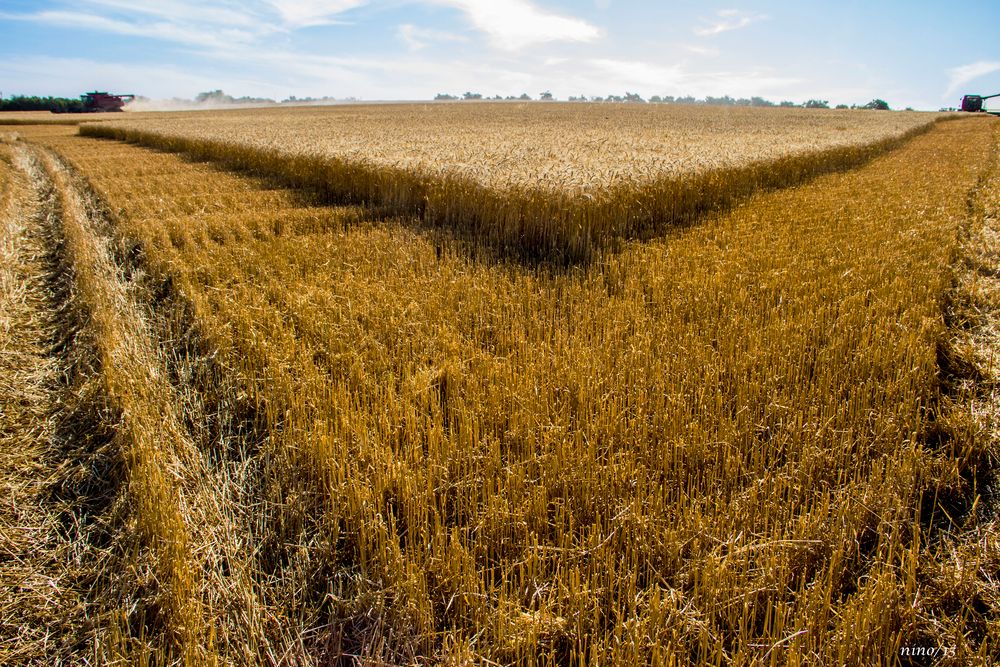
(103, 102)
(974, 103)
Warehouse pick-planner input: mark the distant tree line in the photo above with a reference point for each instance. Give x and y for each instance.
(218, 97)
(635, 98)
(35, 103)
(445, 97)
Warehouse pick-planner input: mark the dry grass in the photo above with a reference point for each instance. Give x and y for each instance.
(46, 118)
(113, 444)
(731, 445)
(152, 442)
(551, 182)
(40, 609)
(962, 569)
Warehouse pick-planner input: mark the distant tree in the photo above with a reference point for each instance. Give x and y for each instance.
(216, 96)
(634, 97)
(34, 103)
(525, 97)
(655, 99)
(445, 96)
(471, 96)
(725, 100)
(687, 99)
(546, 96)
(878, 105)
(817, 104)
(326, 99)
(219, 97)
(843, 106)
(760, 102)
(787, 103)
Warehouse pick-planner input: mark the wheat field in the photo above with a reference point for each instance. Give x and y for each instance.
(328, 432)
(552, 182)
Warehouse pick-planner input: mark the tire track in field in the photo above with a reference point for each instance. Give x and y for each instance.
(128, 476)
(966, 556)
(253, 612)
(150, 441)
(214, 589)
(961, 550)
(980, 280)
(42, 609)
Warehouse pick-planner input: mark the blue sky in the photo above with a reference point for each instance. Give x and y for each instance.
(917, 53)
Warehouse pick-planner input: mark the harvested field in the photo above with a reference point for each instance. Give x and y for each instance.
(40, 608)
(547, 181)
(754, 440)
(34, 118)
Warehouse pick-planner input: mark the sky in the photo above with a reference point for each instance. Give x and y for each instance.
(907, 52)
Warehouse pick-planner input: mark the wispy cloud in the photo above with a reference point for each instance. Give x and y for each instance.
(163, 30)
(634, 74)
(515, 24)
(726, 20)
(699, 50)
(309, 13)
(510, 25)
(248, 48)
(959, 76)
(208, 23)
(184, 11)
(417, 38)
(682, 79)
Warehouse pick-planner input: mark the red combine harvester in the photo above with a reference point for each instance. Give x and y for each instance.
(974, 103)
(100, 102)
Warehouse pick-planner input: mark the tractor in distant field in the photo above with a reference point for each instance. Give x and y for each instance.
(974, 103)
(101, 101)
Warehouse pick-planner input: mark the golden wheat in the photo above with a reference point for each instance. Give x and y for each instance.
(40, 607)
(726, 446)
(553, 181)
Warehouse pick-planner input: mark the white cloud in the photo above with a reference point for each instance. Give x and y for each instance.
(509, 25)
(213, 13)
(307, 13)
(515, 24)
(680, 79)
(417, 38)
(188, 21)
(726, 20)
(743, 83)
(248, 69)
(233, 47)
(959, 76)
(699, 50)
(164, 30)
(631, 74)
